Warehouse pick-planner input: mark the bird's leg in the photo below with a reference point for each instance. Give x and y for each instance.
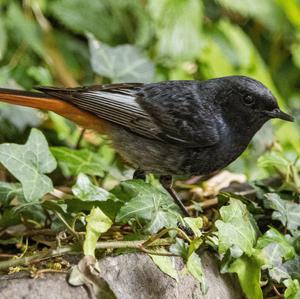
(167, 183)
(139, 174)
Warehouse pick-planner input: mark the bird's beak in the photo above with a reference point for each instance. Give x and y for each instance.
(277, 113)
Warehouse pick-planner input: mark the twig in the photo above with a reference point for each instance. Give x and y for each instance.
(60, 194)
(246, 192)
(209, 203)
(276, 291)
(77, 146)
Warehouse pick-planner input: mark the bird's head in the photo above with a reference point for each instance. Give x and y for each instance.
(247, 101)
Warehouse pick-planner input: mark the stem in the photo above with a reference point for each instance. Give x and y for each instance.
(77, 146)
(14, 262)
(158, 253)
(67, 225)
(132, 244)
(209, 203)
(154, 238)
(35, 257)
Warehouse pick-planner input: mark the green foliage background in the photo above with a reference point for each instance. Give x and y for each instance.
(82, 42)
(44, 42)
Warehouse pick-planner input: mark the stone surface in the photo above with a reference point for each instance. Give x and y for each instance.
(130, 276)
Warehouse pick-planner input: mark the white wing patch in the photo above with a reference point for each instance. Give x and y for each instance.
(119, 107)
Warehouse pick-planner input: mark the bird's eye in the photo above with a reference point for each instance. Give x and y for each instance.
(249, 100)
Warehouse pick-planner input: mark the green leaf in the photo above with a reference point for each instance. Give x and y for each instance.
(165, 263)
(3, 37)
(25, 29)
(258, 10)
(8, 191)
(295, 49)
(248, 271)
(21, 117)
(293, 289)
(214, 62)
(124, 63)
(292, 11)
(274, 236)
(243, 54)
(287, 212)
(237, 228)
(148, 205)
(180, 248)
(28, 163)
(73, 162)
(9, 217)
(97, 223)
(86, 191)
(293, 267)
(70, 13)
(274, 159)
(178, 27)
(195, 224)
(41, 75)
(194, 266)
(273, 254)
(276, 247)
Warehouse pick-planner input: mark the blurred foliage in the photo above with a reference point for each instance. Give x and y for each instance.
(81, 42)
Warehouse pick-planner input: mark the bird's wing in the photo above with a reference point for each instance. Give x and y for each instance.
(145, 110)
(182, 112)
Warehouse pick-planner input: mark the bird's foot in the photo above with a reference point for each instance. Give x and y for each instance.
(139, 174)
(167, 183)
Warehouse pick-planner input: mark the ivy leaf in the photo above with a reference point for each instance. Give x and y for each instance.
(274, 159)
(180, 248)
(178, 27)
(195, 224)
(20, 117)
(165, 263)
(287, 212)
(293, 267)
(3, 37)
(8, 191)
(237, 228)
(24, 29)
(257, 9)
(69, 12)
(274, 236)
(148, 205)
(276, 247)
(192, 259)
(194, 266)
(28, 163)
(293, 289)
(249, 273)
(123, 63)
(73, 162)
(273, 255)
(86, 191)
(97, 223)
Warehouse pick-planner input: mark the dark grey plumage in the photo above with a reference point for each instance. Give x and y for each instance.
(179, 127)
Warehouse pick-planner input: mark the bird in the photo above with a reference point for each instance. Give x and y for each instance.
(178, 127)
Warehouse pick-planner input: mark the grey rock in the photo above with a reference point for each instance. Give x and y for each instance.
(130, 276)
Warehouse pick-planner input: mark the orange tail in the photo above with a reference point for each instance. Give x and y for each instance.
(42, 101)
